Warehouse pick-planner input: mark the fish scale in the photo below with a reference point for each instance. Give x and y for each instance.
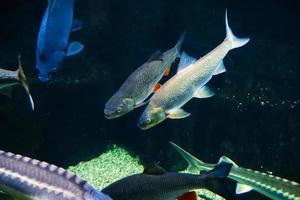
(34, 179)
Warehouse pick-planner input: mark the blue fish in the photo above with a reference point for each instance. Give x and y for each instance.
(53, 39)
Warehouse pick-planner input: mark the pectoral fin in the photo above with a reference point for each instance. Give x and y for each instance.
(178, 114)
(77, 25)
(167, 72)
(156, 87)
(204, 92)
(242, 188)
(74, 48)
(189, 196)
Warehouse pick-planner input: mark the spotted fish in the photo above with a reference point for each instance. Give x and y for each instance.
(30, 179)
(267, 184)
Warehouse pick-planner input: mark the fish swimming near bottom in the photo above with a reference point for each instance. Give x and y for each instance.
(157, 184)
(8, 79)
(267, 184)
(29, 179)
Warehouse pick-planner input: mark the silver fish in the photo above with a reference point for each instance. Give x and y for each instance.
(267, 184)
(157, 184)
(188, 83)
(141, 83)
(30, 179)
(8, 79)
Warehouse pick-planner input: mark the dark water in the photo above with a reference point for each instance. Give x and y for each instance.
(253, 119)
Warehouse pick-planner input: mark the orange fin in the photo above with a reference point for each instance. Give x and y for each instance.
(188, 196)
(167, 72)
(156, 87)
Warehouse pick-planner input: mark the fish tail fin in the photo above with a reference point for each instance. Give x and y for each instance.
(23, 79)
(215, 180)
(194, 163)
(179, 43)
(234, 41)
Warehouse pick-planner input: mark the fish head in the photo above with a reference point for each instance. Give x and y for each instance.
(47, 64)
(117, 107)
(151, 117)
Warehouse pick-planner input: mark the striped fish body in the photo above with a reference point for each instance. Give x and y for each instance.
(31, 179)
(154, 187)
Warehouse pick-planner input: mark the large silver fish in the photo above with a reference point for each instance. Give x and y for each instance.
(267, 184)
(188, 83)
(142, 82)
(29, 179)
(8, 79)
(156, 184)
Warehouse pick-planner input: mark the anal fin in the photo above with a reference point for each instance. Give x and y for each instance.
(189, 196)
(220, 68)
(204, 92)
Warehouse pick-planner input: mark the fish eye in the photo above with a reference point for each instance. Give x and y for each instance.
(119, 109)
(148, 121)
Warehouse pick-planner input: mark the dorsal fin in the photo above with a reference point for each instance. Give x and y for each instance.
(194, 163)
(225, 159)
(154, 169)
(185, 61)
(155, 56)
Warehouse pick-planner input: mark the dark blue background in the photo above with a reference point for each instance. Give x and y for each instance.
(253, 119)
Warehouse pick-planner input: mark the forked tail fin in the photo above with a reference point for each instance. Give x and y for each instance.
(234, 41)
(215, 181)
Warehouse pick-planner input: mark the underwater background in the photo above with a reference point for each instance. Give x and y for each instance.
(254, 118)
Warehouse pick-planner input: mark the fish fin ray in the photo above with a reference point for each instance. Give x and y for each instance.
(178, 114)
(220, 68)
(242, 188)
(235, 42)
(194, 163)
(77, 25)
(185, 61)
(154, 169)
(204, 92)
(224, 159)
(74, 48)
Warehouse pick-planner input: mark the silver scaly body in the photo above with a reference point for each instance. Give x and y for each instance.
(28, 178)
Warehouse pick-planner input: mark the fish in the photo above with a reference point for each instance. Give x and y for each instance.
(53, 44)
(247, 179)
(9, 79)
(142, 82)
(157, 184)
(30, 179)
(189, 82)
